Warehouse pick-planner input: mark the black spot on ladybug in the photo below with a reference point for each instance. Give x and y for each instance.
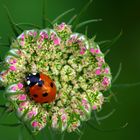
(45, 102)
(51, 84)
(35, 95)
(45, 94)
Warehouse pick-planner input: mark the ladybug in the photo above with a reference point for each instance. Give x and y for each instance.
(41, 87)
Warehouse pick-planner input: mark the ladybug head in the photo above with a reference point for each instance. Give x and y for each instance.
(34, 79)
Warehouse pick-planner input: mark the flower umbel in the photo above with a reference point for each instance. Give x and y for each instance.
(76, 65)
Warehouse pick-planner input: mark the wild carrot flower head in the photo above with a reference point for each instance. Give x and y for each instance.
(72, 61)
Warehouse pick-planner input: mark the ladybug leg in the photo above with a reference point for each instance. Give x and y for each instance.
(27, 89)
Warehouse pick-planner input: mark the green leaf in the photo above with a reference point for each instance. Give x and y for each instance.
(21, 29)
(106, 52)
(62, 136)
(11, 21)
(3, 113)
(94, 126)
(83, 127)
(24, 114)
(49, 22)
(45, 133)
(29, 131)
(28, 25)
(3, 106)
(109, 43)
(93, 38)
(1, 60)
(104, 42)
(96, 117)
(71, 20)
(11, 125)
(79, 132)
(86, 22)
(117, 74)
(107, 116)
(106, 130)
(4, 44)
(86, 31)
(81, 13)
(62, 15)
(2, 88)
(21, 134)
(112, 94)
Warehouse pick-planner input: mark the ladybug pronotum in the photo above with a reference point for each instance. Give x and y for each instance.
(41, 88)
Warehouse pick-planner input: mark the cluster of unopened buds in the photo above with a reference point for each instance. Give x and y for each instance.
(71, 61)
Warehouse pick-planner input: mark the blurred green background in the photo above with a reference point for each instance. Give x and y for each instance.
(117, 15)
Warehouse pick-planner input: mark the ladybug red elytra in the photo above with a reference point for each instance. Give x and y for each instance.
(41, 88)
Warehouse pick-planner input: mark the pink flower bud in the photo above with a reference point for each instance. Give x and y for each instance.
(14, 88)
(94, 107)
(97, 51)
(35, 33)
(92, 50)
(98, 71)
(56, 41)
(61, 26)
(83, 49)
(20, 109)
(22, 43)
(52, 36)
(22, 37)
(32, 113)
(14, 61)
(106, 70)
(22, 97)
(39, 46)
(64, 117)
(13, 68)
(35, 124)
(84, 101)
(105, 81)
(82, 52)
(20, 85)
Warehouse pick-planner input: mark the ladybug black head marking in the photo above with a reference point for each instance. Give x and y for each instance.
(32, 79)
